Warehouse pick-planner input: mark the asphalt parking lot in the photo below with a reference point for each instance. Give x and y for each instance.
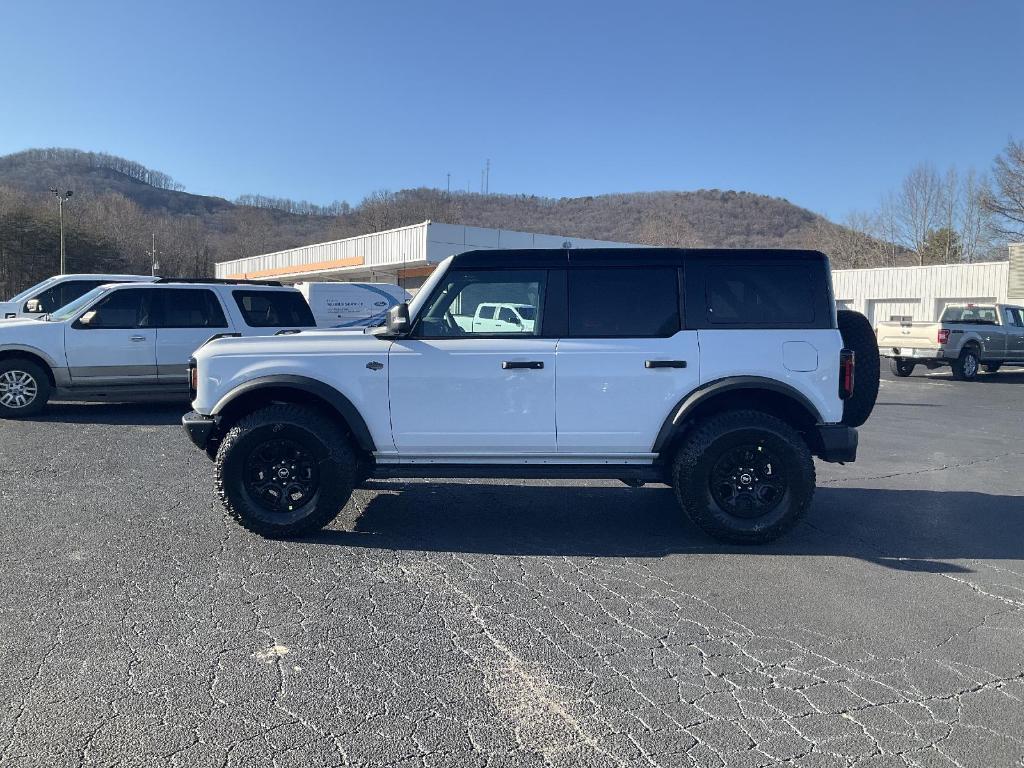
(516, 624)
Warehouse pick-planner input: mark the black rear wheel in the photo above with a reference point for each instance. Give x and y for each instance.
(285, 470)
(744, 476)
(901, 367)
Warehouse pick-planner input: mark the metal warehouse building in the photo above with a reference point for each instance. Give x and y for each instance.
(921, 293)
(406, 255)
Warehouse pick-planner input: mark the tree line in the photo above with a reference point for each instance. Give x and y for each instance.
(944, 217)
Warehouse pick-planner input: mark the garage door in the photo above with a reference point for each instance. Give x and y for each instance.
(886, 309)
(844, 303)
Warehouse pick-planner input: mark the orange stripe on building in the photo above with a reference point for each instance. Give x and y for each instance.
(416, 272)
(298, 269)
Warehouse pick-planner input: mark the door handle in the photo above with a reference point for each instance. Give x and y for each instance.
(535, 365)
(138, 338)
(664, 363)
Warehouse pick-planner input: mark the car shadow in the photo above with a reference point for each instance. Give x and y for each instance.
(901, 529)
(120, 414)
(1005, 376)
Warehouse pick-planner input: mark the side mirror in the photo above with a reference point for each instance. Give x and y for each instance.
(87, 318)
(33, 306)
(398, 320)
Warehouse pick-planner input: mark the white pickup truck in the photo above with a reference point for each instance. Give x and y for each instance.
(498, 318)
(966, 337)
(133, 340)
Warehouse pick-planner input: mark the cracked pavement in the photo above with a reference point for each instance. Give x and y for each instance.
(517, 623)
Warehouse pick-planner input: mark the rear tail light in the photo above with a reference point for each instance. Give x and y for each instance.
(846, 367)
(943, 335)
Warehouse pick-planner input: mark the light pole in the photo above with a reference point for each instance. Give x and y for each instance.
(61, 198)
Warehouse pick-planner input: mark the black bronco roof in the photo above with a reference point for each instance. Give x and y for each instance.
(611, 257)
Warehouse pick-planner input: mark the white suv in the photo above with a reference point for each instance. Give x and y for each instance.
(133, 341)
(718, 372)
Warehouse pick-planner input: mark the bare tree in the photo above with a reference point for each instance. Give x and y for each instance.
(1005, 200)
(918, 208)
(378, 210)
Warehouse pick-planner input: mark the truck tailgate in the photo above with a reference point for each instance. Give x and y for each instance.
(893, 335)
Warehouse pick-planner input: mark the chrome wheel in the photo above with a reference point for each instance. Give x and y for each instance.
(18, 389)
(970, 365)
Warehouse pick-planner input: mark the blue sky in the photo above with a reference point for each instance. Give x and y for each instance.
(825, 103)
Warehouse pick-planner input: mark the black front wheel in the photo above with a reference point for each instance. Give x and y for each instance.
(285, 470)
(901, 367)
(744, 476)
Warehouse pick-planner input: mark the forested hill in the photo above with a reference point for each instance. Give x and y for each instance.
(118, 205)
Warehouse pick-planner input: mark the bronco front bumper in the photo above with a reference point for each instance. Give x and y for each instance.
(199, 428)
(835, 443)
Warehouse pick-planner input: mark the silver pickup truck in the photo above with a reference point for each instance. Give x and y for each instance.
(967, 337)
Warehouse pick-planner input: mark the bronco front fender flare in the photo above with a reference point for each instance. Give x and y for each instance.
(341, 404)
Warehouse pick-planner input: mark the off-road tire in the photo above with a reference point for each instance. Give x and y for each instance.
(333, 454)
(993, 367)
(697, 457)
(966, 367)
(859, 336)
(15, 370)
(901, 367)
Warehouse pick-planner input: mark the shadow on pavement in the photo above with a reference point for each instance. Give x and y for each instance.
(901, 529)
(121, 414)
(1004, 376)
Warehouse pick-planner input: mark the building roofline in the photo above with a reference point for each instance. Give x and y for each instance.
(924, 266)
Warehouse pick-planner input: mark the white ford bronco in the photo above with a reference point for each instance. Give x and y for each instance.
(132, 341)
(720, 373)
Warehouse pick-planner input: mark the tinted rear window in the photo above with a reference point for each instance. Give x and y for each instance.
(272, 309)
(192, 308)
(763, 295)
(976, 314)
(621, 302)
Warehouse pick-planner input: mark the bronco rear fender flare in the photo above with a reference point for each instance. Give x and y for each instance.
(328, 394)
(677, 417)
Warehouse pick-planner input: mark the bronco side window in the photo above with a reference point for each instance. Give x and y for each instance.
(456, 307)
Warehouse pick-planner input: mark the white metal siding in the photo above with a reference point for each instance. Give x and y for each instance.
(416, 245)
(1016, 278)
(923, 289)
(392, 248)
(444, 240)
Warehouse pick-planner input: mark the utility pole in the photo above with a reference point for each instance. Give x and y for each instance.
(61, 198)
(487, 177)
(449, 184)
(154, 265)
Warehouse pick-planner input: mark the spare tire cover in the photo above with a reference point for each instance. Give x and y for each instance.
(860, 337)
